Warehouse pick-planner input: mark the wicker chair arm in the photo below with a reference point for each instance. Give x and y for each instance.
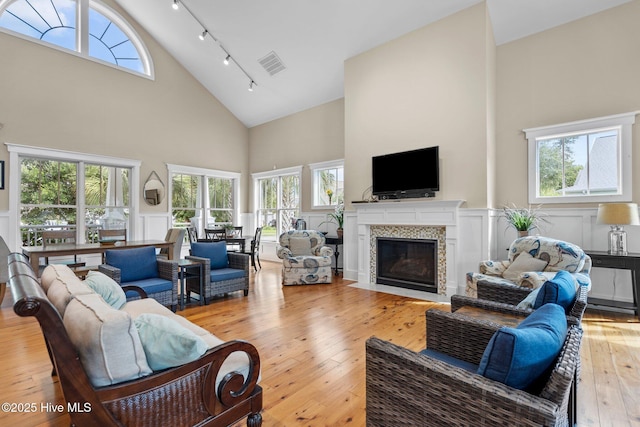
(408, 388)
(239, 260)
(111, 271)
(459, 301)
(168, 270)
(501, 292)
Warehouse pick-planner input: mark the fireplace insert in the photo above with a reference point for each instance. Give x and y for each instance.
(407, 263)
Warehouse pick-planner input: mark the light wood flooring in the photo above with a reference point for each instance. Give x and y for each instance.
(311, 344)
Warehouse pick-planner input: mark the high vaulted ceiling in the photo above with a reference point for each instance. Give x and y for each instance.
(313, 38)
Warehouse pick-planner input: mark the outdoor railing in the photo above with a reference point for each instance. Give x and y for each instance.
(32, 234)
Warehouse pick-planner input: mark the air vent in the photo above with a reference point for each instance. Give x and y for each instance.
(271, 63)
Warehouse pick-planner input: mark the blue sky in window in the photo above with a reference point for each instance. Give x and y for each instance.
(55, 23)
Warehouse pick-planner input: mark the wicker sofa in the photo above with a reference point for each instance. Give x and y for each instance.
(531, 262)
(103, 361)
(404, 387)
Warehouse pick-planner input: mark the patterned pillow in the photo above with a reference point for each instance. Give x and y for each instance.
(523, 263)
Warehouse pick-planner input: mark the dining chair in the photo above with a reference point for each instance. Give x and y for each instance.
(175, 236)
(192, 232)
(235, 233)
(254, 249)
(115, 234)
(60, 237)
(215, 234)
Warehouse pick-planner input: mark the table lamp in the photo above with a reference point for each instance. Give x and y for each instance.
(617, 215)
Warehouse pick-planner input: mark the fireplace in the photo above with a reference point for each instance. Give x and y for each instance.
(407, 263)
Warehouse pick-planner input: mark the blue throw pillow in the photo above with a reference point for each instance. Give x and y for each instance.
(560, 290)
(215, 251)
(518, 356)
(134, 264)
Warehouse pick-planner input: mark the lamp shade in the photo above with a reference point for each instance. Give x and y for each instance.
(618, 214)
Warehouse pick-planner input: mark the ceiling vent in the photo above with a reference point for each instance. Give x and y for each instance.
(271, 63)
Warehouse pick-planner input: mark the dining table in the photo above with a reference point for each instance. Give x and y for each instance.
(35, 253)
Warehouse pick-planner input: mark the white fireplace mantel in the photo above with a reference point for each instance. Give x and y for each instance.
(435, 213)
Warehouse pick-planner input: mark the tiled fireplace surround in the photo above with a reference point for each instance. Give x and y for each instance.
(410, 219)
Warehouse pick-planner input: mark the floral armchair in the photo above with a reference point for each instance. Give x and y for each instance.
(532, 261)
(305, 258)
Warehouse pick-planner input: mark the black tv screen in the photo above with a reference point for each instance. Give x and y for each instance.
(412, 173)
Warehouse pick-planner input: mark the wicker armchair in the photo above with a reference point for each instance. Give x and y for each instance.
(140, 267)
(409, 388)
(548, 255)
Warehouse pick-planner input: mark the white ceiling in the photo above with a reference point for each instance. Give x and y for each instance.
(313, 39)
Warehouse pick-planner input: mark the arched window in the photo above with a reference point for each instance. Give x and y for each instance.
(86, 27)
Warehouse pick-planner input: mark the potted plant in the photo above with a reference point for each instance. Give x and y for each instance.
(523, 219)
(337, 217)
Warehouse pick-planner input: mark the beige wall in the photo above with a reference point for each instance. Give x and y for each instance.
(430, 87)
(585, 69)
(311, 136)
(53, 99)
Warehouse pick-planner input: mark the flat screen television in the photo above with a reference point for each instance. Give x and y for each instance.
(407, 174)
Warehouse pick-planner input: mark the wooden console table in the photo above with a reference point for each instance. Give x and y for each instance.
(631, 262)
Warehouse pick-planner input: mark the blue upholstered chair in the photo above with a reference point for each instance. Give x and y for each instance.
(140, 267)
(224, 271)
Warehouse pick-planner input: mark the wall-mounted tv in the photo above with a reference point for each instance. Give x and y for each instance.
(414, 173)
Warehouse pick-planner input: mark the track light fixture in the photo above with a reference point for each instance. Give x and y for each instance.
(176, 5)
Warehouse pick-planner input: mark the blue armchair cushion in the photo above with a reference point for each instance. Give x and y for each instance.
(150, 286)
(134, 264)
(215, 251)
(221, 274)
(560, 290)
(519, 356)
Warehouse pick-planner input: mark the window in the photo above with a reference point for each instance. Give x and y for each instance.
(585, 161)
(277, 198)
(86, 27)
(327, 183)
(65, 190)
(203, 197)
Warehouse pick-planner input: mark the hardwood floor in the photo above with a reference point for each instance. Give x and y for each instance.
(311, 344)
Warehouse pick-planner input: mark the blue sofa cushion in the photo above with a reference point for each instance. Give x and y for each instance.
(226, 274)
(150, 286)
(134, 264)
(519, 356)
(215, 251)
(560, 290)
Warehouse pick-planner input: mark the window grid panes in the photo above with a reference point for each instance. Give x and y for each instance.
(50, 198)
(185, 199)
(54, 22)
(278, 204)
(220, 200)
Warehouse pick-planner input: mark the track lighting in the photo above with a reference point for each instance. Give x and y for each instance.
(176, 5)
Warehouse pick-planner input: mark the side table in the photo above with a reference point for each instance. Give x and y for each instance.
(631, 261)
(187, 270)
(337, 241)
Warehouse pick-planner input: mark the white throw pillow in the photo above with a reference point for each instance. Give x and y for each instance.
(523, 262)
(300, 246)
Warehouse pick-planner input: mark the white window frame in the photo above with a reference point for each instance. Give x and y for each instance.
(82, 36)
(203, 197)
(17, 151)
(623, 122)
(315, 168)
(276, 173)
